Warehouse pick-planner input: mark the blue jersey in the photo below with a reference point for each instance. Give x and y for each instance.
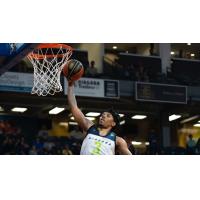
(95, 144)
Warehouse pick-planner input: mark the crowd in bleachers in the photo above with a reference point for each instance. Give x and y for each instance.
(13, 142)
(148, 69)
(192, 147)
(135, 68)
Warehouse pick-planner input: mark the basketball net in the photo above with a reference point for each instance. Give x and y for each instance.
(48, 61)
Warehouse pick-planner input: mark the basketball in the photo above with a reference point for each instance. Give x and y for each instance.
(73, 70)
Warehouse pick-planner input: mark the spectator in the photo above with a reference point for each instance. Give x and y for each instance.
(142, 74)
(131, 69)
(91, 71)
(153, 143)
(43, 133)
(66, 150)
(126, 72)
(180, 53)
(76, 147)
(8, 128)
(198, 146)
(38, 145)
(151, 50)
(33, 151)
(2, 125)
(24, 147)
(48, 145)
(76, 133)
(191, 145)
(8, 146)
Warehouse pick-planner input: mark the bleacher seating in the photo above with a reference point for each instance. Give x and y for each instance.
(138, 68)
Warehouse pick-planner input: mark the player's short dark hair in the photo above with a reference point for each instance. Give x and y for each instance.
(115, 115)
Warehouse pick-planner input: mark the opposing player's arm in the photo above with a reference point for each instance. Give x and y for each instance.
(79, 117)
(122, 146)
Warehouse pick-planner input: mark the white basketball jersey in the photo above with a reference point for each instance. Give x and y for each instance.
(94, 144)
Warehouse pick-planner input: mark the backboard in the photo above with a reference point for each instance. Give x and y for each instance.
(12, 53)
(9, 49)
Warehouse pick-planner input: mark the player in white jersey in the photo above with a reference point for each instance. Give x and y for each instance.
(100, 139)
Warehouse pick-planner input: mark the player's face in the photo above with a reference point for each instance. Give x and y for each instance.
(106, 120)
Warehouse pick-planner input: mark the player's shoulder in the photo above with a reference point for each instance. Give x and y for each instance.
(92, 126)
(93, 129)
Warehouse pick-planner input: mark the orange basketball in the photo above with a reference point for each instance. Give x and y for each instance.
(73, 70)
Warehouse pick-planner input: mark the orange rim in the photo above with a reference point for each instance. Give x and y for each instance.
(50, 45)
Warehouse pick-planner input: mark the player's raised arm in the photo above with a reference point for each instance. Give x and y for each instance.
(79, 117)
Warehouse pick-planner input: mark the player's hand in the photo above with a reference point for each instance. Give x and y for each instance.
(70, 82)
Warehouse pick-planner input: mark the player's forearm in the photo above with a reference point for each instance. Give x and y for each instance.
(71, 97)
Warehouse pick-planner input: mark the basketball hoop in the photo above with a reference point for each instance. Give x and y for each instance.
(48, 61)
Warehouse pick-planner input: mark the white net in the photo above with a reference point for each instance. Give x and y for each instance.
(48, 63)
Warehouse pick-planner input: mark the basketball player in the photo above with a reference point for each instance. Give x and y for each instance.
(99, 139)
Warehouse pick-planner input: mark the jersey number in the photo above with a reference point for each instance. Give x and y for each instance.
(97, 150)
